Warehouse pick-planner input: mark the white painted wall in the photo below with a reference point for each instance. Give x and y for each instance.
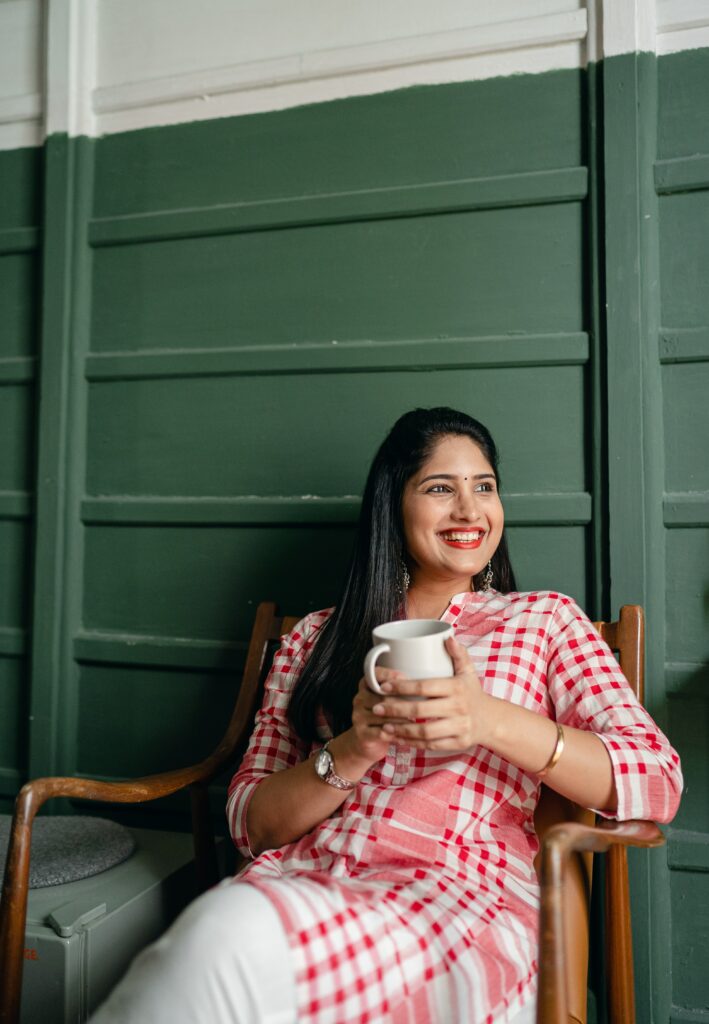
(21, 85)
(97, 66)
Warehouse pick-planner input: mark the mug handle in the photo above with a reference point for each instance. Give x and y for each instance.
(369, 663)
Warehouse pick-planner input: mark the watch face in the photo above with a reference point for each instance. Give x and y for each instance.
(323, 760)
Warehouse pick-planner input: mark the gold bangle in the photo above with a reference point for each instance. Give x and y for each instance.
(555, 754)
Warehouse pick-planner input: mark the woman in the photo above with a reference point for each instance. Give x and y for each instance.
(397, 884)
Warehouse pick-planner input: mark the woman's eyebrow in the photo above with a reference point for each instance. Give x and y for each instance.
(454, 476)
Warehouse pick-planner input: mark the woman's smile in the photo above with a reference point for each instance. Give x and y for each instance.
(462, 539)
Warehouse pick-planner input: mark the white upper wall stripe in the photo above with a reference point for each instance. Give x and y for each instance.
(629, 26)
(117, 65)
(498, 39)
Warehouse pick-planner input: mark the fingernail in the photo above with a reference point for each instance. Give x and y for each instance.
(388, 727)
(378, 709)
(386, 687)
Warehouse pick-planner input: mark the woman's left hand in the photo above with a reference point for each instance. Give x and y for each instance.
(450, 713)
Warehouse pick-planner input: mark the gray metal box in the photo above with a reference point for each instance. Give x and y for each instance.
(81, 936)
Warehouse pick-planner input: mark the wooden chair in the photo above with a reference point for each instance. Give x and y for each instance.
(565, 857)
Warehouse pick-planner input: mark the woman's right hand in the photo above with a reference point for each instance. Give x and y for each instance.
(366, 739)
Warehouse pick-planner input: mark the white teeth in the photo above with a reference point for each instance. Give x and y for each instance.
(465, 538)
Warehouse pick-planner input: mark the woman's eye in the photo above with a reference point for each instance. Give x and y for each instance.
(438, 489)
(488, 487)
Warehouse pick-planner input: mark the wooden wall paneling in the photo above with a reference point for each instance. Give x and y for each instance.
(61, 422)
(215, 436)
(635, 441)
(267, 323)
(21, 173)
(594, 304)
(479, 272)
(497, 127)
(682, 182)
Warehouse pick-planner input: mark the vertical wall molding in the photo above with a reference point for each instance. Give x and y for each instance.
(635, 433)
(57, 564)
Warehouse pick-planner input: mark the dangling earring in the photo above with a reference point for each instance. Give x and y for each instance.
(404, 578)
(487, 578)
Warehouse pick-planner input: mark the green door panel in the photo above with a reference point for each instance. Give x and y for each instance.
(316, 433)
(481, 272)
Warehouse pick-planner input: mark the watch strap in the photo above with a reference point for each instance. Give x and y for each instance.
(332, 778)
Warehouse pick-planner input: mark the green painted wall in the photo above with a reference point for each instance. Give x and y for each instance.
(20, 206)
(229, 314)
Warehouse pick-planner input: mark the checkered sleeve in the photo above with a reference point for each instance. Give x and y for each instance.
(590, 692)
(274, 745)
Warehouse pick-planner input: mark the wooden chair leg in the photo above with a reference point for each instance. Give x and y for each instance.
(621, 987)
(203, 834)
(551, 998)
(13, 907)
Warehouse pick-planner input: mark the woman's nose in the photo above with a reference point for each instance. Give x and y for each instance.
(467, 507)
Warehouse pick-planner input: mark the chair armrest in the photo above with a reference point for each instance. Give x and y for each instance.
(13, 905)
(560, 842)
(572, 836)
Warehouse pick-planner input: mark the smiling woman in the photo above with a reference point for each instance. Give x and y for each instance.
(392, 834)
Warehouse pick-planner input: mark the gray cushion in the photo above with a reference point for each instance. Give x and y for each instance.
(69, 848)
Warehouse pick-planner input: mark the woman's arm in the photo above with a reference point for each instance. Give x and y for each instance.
(287, 804)
(276, 796)
(583, 773)
(458, 714)
(615, 758)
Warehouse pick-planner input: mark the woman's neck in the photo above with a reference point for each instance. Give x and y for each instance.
(428, 599)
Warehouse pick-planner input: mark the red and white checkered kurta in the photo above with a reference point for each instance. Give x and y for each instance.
(416, 901)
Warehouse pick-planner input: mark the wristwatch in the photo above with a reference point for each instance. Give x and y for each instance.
(325, 769)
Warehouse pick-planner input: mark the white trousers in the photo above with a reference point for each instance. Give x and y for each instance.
(226, 960)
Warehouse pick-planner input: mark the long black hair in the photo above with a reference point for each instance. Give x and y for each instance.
(372, 593)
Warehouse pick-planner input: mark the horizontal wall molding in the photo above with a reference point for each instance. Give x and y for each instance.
(159, 651)
(682, 174)
(16, 240)
(310, 75)
(343, 357)
(13, 642)
(684, 344)
(687, 678)
(681, 25)
(248, 510)
(15, 504)
(566, 509)
(531, 188)
(27, 107)
(10, 781)
(680, 1015)
(688, 851)
(690, 508)
(21, 121)
(17, 370)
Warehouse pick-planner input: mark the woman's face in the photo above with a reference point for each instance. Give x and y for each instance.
(452, 514)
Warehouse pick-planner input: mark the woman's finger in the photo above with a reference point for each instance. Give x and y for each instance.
(459, 656)
(434, 707)
(420, 688)
(437, 728)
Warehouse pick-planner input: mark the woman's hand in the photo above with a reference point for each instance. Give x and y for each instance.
(366, 739)
(450, 715)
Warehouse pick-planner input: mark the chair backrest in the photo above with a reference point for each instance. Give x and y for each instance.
(624, 636)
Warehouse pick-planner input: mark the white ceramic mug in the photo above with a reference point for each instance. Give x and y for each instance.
(412, 646)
